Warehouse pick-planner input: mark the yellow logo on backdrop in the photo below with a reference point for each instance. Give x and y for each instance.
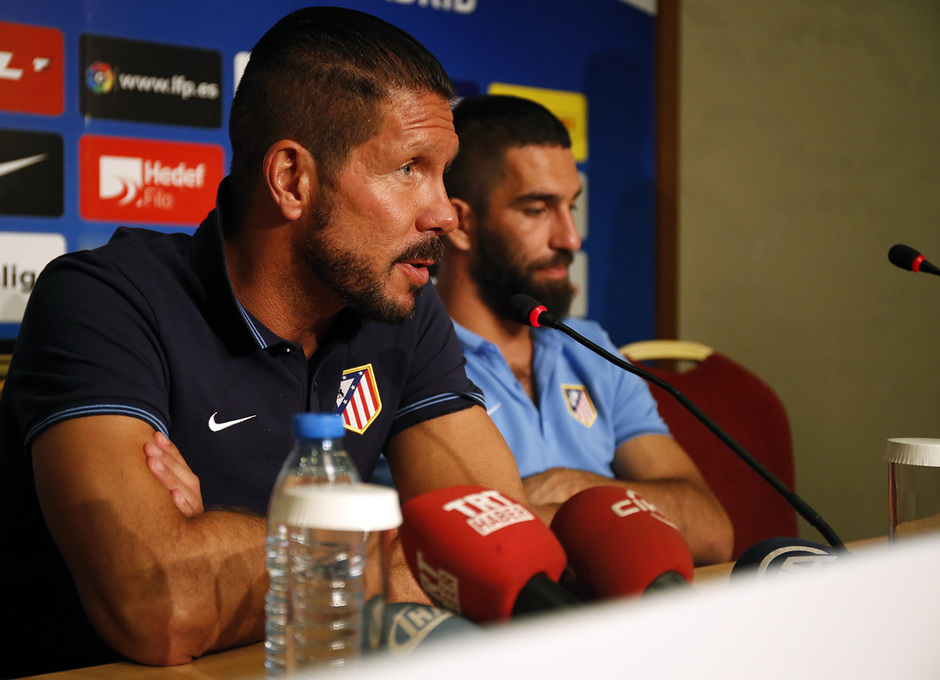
(570, 107)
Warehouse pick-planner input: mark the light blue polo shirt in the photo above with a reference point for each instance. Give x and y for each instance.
(587, 406)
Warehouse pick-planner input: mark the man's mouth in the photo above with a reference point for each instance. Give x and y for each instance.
(556, 267)
(418, 263)
(417, 260)
(556, 272)
(416, 270)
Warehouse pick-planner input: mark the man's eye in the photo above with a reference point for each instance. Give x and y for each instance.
(408, 169)
(533, 212)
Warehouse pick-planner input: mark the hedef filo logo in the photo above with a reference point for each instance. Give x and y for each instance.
(136, 180)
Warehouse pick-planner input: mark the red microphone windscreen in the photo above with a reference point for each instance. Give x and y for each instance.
(617, 543)
(473, 549)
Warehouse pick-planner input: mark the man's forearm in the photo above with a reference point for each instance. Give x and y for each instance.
(403, 587)
(222, 583)
(205, 592)
(700, 519)
(158, 586)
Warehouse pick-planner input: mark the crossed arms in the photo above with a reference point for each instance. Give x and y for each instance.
(164, 581)
(657, 468)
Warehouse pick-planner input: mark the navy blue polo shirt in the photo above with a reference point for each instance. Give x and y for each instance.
(148, 326)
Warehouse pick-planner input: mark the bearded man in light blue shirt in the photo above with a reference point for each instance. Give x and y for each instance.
(571, 420)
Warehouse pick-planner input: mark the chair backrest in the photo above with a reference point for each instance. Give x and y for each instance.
(4, 365)
(747, 409)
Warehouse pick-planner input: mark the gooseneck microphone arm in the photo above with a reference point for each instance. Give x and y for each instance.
(529, 312)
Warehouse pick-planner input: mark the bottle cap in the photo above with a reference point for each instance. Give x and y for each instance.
(342, 507)
(913, 451)
(318, 426)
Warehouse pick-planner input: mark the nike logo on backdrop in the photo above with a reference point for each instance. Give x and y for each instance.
(9, 167)
(218, 427)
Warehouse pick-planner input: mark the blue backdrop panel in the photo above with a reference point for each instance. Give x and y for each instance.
(602, 49)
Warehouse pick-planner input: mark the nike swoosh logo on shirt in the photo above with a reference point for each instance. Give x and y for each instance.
(9, 167)
(493, 409)
(218, 427)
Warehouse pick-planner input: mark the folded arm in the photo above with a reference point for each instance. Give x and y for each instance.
(159, 586)
(459, 448)
(657, 468)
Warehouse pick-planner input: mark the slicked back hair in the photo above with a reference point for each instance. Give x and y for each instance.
(319, 77)
(488, 126)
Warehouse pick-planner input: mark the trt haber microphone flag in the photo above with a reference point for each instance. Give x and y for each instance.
(473, 549)
(617, 543)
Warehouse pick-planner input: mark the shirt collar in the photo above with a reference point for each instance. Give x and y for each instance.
(542, 339)
(470, 341)
(209, 262)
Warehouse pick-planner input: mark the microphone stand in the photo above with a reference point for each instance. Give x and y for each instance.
(546, 318)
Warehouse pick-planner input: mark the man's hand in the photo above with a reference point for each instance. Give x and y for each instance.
(556, 485)
(166, 464)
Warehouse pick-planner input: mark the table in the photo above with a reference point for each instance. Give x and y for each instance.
(247, 663)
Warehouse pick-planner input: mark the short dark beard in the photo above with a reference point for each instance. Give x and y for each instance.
(350, 275)
(499, 274)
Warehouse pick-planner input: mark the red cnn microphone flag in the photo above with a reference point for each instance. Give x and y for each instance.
(618, 544)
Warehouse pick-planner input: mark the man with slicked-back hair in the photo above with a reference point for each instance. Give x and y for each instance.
(148, 405)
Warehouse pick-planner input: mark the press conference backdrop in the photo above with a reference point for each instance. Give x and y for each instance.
(115, 113)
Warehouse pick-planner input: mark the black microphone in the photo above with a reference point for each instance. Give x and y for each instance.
(774, 557)
(530, 312)
(907, 258)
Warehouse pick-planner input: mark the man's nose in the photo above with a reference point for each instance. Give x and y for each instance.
(439, 215)
(565, 232)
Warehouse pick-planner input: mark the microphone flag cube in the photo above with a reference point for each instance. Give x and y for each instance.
(473, 549)
(617, 543)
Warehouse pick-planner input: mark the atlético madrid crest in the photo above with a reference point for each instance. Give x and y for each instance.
(579, 404)
(358, 398)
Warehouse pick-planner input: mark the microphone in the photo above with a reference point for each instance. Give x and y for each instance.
(530, 312)
(482, 555)
(618, 544)
(907, 258)
(775, 557)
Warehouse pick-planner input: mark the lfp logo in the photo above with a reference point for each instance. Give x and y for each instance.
(99, 77)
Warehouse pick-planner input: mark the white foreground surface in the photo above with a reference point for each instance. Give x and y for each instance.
(875, 614)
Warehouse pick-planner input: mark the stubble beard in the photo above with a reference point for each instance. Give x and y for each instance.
(357, 279)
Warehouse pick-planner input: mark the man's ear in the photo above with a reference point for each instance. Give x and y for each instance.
(461, 237)
(290, 176)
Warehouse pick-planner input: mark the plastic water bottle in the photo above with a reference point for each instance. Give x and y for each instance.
(317, 457)
(326, 554)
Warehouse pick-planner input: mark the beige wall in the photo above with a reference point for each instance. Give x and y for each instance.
(809, 144)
